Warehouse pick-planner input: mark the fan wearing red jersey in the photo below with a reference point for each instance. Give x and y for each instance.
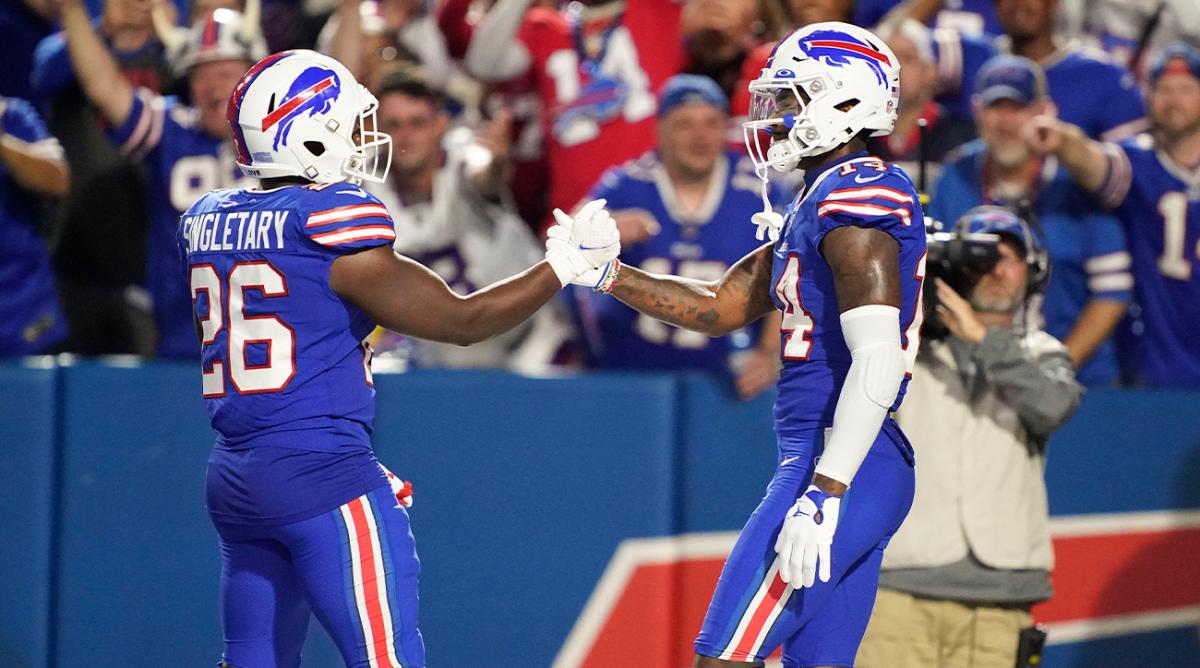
(595, 66)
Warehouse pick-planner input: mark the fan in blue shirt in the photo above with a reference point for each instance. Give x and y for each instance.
(1090, 90)
(682, 209)
(1153, 185)
(1090, 282)
(186, 149)
(31, 164)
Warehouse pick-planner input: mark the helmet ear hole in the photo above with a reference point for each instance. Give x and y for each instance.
(315, 147)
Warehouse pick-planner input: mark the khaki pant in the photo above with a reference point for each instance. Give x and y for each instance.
(910, 632)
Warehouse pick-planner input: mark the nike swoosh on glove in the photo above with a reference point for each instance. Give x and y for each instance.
(582, 246)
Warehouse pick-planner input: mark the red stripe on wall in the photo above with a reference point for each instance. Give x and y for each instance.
(1100, 576)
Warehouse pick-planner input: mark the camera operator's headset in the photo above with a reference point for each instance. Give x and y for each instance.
(998, 220)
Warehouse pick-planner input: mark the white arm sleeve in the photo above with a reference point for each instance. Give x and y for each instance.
(877, 369)
(494, 54)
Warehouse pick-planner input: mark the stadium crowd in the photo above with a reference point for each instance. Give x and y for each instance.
(1081, 116)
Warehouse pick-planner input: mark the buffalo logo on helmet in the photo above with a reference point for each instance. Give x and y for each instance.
(314, 92)
(838, 49)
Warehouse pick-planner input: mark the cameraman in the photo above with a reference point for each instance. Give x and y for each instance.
(974, 555)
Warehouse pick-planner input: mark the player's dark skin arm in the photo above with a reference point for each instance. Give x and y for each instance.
(866, 270)
(408, 298)
(716, 308)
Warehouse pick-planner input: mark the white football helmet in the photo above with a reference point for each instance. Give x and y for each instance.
(825, 82)
(301, 113)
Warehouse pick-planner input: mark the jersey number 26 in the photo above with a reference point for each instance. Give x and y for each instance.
(226, 310)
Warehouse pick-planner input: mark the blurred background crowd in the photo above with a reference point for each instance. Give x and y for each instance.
(112, 122)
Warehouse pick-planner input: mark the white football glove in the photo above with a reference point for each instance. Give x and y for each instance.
(806, 539)
(582, 247)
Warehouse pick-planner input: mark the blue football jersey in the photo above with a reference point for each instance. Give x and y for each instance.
(701, 245)
(285, 370)
(32, 320)
(183, 163)
(1159, 203)
(862, 191)
(1096, 94)
(283, 358)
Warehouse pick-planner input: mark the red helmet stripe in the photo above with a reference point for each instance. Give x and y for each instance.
(288, 107)
(851, 46)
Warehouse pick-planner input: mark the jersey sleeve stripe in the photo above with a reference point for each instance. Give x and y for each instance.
(141, 107)
(351, 234)
(1125, 130)
(1110, 282)
(156, 109)
(1100, 264)
(867, 210)
(1118, 179)
(345, 213)
(871, 192)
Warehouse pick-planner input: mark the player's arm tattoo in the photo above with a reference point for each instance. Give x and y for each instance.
(866, 266)
(742, 296)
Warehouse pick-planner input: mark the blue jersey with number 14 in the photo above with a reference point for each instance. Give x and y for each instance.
(860, 191)
(283, 358)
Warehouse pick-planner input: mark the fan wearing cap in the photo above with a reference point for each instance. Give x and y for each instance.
(186, 149)
(974, 554)
(1090, 90)
(1152, 182)
(678, 207)
(1090, 286)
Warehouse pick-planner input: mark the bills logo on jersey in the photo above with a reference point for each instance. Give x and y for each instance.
(838, 49)
(600, 100)
(314, 92)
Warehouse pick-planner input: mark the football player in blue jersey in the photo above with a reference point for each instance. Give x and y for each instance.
(845, 267)
(1152, 182)
(681, 209)
(286, 281)
(186, 149)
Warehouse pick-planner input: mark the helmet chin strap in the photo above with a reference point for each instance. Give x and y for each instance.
(781, 156)
(769, 223)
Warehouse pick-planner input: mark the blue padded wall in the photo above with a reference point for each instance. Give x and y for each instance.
(28, 422)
